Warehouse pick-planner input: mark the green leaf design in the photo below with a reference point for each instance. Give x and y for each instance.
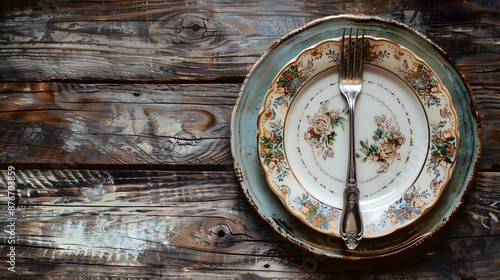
(387, 135)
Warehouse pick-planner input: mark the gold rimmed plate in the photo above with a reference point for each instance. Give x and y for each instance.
(407, 137)
(393, 102)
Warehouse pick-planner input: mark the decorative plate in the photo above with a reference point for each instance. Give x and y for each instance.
(406, 128)
(263, 76)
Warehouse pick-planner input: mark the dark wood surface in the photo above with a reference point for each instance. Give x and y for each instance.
(116, 117)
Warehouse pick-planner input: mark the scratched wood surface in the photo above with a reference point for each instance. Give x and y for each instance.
(115, 115)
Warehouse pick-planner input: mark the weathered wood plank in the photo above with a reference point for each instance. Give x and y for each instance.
(59, 124)
(75, 124)
(201, 223)
(190, 40)
(488, 105)
(193, 40)
(281, 262)
(130, 192)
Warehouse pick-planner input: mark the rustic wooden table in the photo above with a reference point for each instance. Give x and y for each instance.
(115, 140)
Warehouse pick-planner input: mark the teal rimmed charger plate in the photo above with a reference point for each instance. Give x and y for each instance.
(244, 137)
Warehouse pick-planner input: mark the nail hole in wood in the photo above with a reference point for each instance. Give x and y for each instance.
(221, 233)
(136, 94)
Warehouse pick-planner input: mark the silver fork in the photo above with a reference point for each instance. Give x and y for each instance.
(350, 82)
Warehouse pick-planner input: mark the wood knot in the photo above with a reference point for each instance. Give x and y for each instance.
(186, 28)
(192, 28)
(220, 230)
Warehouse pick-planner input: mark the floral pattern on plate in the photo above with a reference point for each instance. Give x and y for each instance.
(317, 214)
(409, 207)
(326, 124)
(323, 129)
(387, 140)
(423, 81)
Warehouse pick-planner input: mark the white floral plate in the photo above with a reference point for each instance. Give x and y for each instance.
(406, 129)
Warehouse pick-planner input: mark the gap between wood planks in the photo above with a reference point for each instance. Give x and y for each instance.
(159, 167)
(230, 79)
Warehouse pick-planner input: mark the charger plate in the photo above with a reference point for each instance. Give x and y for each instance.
(253, 181)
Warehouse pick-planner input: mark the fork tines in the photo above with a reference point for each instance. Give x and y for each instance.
(354, 68)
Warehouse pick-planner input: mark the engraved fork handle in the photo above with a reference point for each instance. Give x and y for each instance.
(350, 83)
(351, 226)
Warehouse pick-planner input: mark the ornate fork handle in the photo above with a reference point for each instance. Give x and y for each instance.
(350, 82)
(352, 224)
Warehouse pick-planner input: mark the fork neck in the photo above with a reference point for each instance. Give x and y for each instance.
(351, 102)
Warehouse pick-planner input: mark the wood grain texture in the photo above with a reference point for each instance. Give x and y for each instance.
(78, 124)
(212, 40)
(164, 222)
(75, 125)
(116, 115)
